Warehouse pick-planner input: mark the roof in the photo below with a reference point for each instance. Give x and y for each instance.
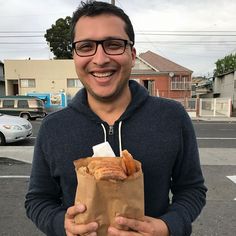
(162, 64)
(144, 72)
(226, 73)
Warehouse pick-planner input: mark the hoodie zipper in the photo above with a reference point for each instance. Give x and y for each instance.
(111, 130)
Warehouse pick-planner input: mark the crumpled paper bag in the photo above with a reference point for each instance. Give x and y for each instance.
(105, 199)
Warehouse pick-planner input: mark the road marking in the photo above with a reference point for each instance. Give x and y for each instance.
(216, 138)
(14, 176)
(232, 178)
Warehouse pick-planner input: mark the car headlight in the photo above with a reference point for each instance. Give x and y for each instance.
(13, 127)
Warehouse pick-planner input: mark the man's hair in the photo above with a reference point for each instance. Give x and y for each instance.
(95, 8)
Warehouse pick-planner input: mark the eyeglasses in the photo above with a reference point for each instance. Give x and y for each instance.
(86, 48)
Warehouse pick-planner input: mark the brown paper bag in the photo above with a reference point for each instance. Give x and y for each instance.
(106, 199)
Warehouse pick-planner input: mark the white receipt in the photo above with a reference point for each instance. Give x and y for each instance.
(103, 150)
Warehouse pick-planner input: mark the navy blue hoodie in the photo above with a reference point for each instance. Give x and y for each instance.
(158, 132)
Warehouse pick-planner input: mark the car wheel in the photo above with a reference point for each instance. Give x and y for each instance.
(2, 139)
(25, 116)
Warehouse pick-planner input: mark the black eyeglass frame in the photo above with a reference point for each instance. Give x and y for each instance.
(126, 42)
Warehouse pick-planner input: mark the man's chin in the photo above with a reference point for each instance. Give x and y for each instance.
(105, 98)
(108, 97)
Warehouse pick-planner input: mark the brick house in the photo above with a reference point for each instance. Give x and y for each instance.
(164, 78)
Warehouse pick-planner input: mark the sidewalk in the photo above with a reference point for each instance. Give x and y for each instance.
(208, 156)
(219, 119)
(20, 153)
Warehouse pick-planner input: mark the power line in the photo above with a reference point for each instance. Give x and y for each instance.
(22, 43)
(183, 34)
(155, 32)
(187, 31)
(21, 36)
(20, 32)
(147, 42)
(189, 41)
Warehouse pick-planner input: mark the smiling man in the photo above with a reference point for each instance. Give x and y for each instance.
(103, 56)
(111, 107)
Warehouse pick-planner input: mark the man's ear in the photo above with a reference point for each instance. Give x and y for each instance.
(133, 52)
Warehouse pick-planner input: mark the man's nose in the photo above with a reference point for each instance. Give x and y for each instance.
(100, 56)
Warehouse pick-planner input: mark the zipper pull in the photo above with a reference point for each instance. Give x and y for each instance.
(111, 130)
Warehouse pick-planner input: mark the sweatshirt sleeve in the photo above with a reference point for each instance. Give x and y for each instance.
(43, 199)
(187, 184)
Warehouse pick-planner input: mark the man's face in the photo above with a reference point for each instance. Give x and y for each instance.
(104, 76)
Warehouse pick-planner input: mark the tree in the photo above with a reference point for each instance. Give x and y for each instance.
(58, 37)
(225, 65)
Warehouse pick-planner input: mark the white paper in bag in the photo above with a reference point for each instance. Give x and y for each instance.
(103, 150)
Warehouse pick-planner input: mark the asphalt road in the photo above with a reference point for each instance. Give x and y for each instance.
(215, 134)
(217, 219)
(209, 134)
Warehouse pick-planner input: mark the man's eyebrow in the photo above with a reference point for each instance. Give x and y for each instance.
(105, 38)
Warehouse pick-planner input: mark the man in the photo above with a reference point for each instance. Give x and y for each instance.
(156, 131)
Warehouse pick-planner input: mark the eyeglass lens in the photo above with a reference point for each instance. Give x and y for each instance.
(111, 47)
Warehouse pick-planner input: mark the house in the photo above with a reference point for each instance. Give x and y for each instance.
(41, 77)
(224, 86)
(2, 81)
(170, 80)
(159, 75)
(202, 87)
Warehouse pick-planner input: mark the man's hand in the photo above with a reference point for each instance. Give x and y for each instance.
(148, 226)
(73, 229)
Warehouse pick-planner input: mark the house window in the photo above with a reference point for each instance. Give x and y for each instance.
(180, 83)
(74, 83)
(27, 83)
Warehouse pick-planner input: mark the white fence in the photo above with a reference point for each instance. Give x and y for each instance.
(216, 107)
(208, 107)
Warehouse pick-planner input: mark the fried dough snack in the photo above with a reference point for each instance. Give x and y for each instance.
(128, 163)
(107, 168)
(112, 168)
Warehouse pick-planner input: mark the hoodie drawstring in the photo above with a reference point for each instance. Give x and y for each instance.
(119, 135)
(104, 131)
(120, 144)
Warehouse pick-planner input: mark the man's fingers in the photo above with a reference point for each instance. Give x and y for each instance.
(74, 210)
(88, 229)
(135, 225)
(73, 229)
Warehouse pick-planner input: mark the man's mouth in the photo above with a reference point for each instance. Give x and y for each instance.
(103, 74)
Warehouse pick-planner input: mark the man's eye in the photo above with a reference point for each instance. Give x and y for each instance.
(84, 47)
(114, 45)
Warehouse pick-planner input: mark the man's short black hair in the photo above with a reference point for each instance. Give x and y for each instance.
(95, 8)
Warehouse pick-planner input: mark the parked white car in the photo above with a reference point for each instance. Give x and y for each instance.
(13, 129)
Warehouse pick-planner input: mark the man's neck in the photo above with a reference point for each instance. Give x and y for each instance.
(110, 111)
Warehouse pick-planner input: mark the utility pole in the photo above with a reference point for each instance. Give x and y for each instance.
(113, 2)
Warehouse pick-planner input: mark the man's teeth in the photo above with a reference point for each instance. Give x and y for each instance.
(100, 75)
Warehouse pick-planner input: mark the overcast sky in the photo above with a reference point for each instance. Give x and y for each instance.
(194, 34)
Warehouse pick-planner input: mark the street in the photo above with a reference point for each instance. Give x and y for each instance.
(217, 218)
(209, 134)
(215, 134)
